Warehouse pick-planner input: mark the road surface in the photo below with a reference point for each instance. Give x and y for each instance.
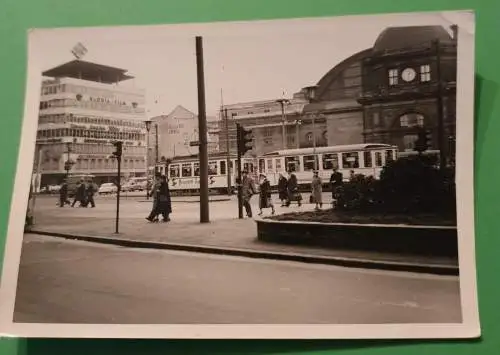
(77, 282)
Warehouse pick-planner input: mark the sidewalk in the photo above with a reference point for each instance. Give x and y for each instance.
(228, 237)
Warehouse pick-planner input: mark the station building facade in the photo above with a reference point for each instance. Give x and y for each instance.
(380, 95)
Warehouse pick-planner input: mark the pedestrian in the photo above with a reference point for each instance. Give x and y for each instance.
(247, 191)
(265, 200)
(79, 194)
(336, 181)
(282, 190)
(317, 191)
(154, 193)
(91, 189)
(293, 190)
(164, 204)
(63, 194)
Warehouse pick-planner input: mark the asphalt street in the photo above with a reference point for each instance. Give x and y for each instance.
(77, 282)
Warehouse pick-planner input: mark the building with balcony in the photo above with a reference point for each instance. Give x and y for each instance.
(83, 110)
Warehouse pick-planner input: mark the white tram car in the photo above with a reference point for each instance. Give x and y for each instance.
(367, 159)
(184, 173)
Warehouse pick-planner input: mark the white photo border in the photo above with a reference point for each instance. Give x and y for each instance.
(470, 326)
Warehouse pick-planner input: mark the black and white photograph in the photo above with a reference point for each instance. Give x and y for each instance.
(297, 178)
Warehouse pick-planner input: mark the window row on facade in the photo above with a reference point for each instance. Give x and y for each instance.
(90, 105)
(58, 88)
(86, 133)
(71, 118)
(95, 164)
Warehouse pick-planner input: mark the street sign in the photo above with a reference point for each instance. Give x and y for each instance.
(194, 143)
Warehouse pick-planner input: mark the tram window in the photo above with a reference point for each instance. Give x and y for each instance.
(330, 161)
(278, 164)
(292, 164)
(262, 166)
(174, 170)
(388, 156)
(196, 169)
(309, 163)
(248, 167)
(378, 158)
(350, 160)
(368, 159)
(222, 167)
(212, 168)
(187, 170)
(269, 165)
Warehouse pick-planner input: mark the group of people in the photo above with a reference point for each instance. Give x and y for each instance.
(84, 194)
(288, 190)
(162, 204)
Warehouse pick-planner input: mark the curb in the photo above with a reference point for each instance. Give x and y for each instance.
(257, 254)
(190, 201)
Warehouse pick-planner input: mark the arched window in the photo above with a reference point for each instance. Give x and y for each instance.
(411, 120)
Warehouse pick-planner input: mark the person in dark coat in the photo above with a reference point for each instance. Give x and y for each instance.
(265, 194)
(282, 190)
(164, 204)
(63, 194)
(336, 181)
(293, 190)
(80, 194)
(247, 191)
(155, 193)
(91, 190)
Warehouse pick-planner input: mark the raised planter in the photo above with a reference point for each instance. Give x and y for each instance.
(402, 239)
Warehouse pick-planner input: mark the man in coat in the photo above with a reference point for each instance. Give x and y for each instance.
(247, 191)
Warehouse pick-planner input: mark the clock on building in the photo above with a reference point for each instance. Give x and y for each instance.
(408, 74)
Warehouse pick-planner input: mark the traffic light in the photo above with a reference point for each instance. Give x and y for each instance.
(119, 149)
(245, 139)
(423, 141)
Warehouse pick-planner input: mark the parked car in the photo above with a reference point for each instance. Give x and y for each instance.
(108, 188)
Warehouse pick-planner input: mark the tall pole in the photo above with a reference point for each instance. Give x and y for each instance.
(239, 182)
(202, 129)
(119, 185)
(147, 162)
(67, 166)
(156, 144)
(38, 177)
(441, 143)
(314, 141)
(283, 122)
(297, 134)
(228, 158)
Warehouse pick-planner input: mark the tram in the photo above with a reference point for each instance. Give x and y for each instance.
(367, 159)
(184, 173)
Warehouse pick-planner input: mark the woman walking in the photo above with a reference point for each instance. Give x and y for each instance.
(293, 190)
(317, 191)
(265, 194)
(282, 190)
(164, 204)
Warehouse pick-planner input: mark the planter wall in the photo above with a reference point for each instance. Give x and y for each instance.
(413, 240)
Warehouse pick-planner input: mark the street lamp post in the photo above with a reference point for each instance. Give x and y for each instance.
(298, 123)
(283, 102)
(311, 97)
(68, 163)
(148, 128)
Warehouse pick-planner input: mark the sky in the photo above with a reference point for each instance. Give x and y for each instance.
(247, 61)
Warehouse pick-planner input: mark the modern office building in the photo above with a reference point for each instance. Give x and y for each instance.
(83, 110)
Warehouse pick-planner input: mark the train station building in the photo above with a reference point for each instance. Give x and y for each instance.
(83, 109)
(382, 94)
